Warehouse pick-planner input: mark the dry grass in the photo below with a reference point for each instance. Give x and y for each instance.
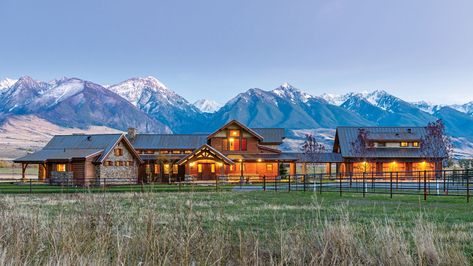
(143, 229)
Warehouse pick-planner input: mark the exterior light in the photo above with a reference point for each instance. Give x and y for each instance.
(231, 139)
(219, 164)
(240, 160)
(259, 160)
(192, 164)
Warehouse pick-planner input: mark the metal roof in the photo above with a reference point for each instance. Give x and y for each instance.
(346, 136)
(58, 155)
(271, 135)
(169, 141)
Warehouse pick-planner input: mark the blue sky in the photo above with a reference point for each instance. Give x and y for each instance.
(419, 49)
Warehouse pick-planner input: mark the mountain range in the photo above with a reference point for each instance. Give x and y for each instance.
(148, 105)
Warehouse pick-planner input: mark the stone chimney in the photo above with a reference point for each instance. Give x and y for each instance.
(132, 133)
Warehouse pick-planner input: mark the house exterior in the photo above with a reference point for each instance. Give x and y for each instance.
(86, 160)
(388, 149)
(234, 153)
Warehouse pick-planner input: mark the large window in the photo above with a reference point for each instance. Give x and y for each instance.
(234, 144)
(156, 169)
(175, 168)
(199, 168)
(404, 144)
(61, 167)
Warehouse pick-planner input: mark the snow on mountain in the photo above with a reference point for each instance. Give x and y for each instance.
(61, 90)
(466, 108)
(291, 93)
(152, 97)
(207, 106)
(7, 83)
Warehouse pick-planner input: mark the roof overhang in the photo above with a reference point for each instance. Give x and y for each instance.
(235, 122)
(203, 153)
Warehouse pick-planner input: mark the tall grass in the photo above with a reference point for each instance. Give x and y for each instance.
(120, 229)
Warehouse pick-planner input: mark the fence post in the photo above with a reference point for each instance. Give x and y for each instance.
(264, 183)
(467, 186)
(418, 179)
(340, 185)
(142, 187)
(444, 181)
(216, 183)
(425, 185)
(31, 187)
(276, 183)
(304, 176)
(391, 184)
(372, 181)
(289, 182)
(320, 188)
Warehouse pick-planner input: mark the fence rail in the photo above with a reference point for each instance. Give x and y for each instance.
(425, 183)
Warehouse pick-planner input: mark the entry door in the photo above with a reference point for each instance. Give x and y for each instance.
(207, 170)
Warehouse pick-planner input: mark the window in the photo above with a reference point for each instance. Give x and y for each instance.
(118, 151)
(212, 168)
(199, 168)
(269, 167)
(164, 152)
(243, 145)
(234, 133)
(118, 163)
(149, 152)
(167, 169)
(157, 169)
(231, 167)
(415, 144)
(234, 144)
(381, 144)
(175, 168)
(61, 167)
(129, 163)
(176, 152)
(188, 152)
(404, 144)
(108, 163)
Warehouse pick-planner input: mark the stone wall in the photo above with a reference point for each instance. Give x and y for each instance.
(62, 178)
(118, 174)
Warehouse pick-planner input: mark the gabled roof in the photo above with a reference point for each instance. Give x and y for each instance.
(251, 131)
(346, 136)
(59, 155)
(79, 146)
(169, 141)
(210, 149)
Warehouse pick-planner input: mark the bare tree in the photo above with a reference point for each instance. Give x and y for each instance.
(436, 146)
(312, 150)
(361, 146)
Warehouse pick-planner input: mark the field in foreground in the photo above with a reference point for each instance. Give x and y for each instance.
(234, 228)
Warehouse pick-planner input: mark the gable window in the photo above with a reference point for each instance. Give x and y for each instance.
(415, 144)
(61, 167)
(404, 144)
(234, 133)
(118, 151)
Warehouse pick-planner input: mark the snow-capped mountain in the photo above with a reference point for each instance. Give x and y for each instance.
(6, 83)
(287, 107)
(155, 99)
(207, 106)
(72, 102)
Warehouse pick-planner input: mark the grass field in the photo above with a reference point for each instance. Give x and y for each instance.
(234, 228)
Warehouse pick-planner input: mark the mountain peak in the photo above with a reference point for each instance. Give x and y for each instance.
(292, 93)
(7, 83)
(207, 106)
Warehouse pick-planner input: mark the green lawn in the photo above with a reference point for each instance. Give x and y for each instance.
(266, 216)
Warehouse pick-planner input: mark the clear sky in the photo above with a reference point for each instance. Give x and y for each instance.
(415, 49)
